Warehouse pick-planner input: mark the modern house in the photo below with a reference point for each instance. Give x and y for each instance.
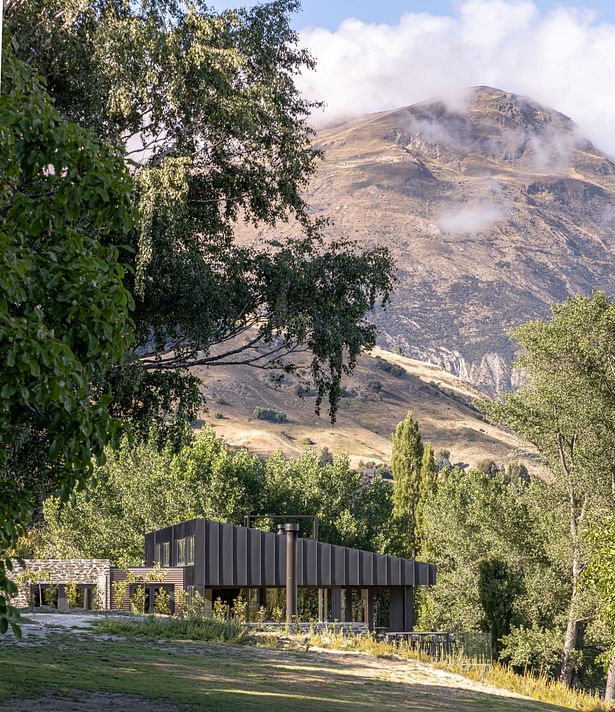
(220, 560)
(224, 561)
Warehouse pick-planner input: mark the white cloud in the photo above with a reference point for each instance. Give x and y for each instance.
(470, 218)
(564, 59)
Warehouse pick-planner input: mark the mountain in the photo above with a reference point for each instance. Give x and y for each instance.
(382, 390)
(494, 209)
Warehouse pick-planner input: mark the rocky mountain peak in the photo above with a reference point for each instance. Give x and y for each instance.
(487, 123)
(494, 208)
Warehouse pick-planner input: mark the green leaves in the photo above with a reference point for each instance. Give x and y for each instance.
(63, 306)
(212, 99)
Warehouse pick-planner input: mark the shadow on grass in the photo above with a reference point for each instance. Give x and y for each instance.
(224, 679)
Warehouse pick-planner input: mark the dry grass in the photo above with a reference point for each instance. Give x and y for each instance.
(537, 687)
(365, 421)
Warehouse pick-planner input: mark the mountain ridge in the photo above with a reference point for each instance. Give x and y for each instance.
(493, 212)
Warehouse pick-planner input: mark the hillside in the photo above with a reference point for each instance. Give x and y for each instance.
(376, 398)
(493, 211)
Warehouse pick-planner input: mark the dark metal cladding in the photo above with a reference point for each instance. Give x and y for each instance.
(231, 556)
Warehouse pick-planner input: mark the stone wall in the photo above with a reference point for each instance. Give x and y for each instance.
(61, 571)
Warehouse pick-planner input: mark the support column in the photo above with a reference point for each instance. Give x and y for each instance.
(347, 605)
(396, 612)
(336, 603)
(323, 605)
(291, 572)
(402, 601)
(408, 608)
(62, 601)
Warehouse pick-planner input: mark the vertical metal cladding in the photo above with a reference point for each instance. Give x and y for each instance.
(236, 557)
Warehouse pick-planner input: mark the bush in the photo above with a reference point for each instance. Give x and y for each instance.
(51, 596)
(375, 386)
(239, 611)
(533, 649)
(119, 589)
(221, 610)
(270, 414)
(153, 628)
(137, 600)
(71, 594)
(161, 601)
(389, 367)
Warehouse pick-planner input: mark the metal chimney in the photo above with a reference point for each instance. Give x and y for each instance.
(291, 571)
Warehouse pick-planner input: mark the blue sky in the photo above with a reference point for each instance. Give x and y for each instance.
(330, 13)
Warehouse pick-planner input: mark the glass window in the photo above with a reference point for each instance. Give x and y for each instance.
(157, 554)
(190, 550)
(166, 554)
(181, 552)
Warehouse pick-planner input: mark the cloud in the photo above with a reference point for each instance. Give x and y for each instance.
(469, 219)
(564, 59)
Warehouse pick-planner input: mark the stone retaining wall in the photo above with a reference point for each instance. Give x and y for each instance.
(61, 571)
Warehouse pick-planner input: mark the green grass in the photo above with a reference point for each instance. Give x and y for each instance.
(227, 678)
(152, 628)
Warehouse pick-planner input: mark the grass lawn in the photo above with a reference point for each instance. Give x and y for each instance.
(68, 668)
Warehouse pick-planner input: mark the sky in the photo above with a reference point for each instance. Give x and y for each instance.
(331, 13)
(374, 55)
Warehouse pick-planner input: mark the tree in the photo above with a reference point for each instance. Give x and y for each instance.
(414, 474)
(471, 518)
(428, 482)
(601, 574)
(208, 111)
(498, 588)
(567, 409)
(141, 488)
(65, 209)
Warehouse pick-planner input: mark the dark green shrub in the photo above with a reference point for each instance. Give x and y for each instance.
(375, 386)
(270, 414)
(389, 367)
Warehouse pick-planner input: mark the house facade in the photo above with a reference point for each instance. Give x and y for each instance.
(224, 561)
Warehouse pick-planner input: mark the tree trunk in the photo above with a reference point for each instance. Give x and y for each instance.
(566, 670)
(609, 693)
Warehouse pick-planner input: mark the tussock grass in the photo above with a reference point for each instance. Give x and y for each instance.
(152, 628)
(538, 687)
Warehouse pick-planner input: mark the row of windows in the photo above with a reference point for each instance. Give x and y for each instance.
(185, 552)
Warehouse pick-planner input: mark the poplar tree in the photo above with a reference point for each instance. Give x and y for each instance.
(407, 468)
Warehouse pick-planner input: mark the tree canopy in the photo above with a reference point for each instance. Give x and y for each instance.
(206, 107)
(145, 488)
(566, 407)
(65, 210)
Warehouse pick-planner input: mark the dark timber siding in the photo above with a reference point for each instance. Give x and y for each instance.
(237, 557)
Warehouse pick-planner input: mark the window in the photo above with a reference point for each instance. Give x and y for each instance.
(157, 554)
(166, 554)
(181, 552)
(190, 550)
